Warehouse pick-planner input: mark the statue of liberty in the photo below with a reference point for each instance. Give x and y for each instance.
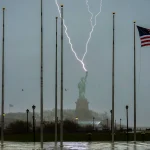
(82, 86)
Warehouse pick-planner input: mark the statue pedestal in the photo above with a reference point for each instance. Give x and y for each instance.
(82, 110)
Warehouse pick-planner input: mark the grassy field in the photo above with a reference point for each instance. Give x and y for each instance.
(77, 137)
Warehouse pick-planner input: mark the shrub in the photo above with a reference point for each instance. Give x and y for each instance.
(19, 127)
(70, 126)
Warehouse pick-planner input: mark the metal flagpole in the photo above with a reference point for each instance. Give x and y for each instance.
(113, 79)
(2, 113)
(41, 92)
(56, 88)
(61, 99)
(134, 87)
(127, 120)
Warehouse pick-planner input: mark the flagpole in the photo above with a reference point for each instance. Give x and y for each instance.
(41, 91)
(113, 78)
(134, 87)
(2, 110)
(61, 100)
(56, 89)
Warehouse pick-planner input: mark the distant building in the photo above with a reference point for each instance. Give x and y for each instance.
(97, 124)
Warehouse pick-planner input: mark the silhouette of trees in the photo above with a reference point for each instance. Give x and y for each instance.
(70, 126)
(19, 127)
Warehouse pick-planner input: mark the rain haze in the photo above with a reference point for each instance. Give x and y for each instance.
(22, 55)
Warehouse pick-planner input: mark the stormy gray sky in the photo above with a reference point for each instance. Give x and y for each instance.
(22, 55)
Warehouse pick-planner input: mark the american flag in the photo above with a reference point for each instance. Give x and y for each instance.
(144, 36)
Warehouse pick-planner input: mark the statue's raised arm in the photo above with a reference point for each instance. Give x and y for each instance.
(86, 75)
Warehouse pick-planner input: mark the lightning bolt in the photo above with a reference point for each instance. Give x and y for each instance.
(82, 63)
(93, 26)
